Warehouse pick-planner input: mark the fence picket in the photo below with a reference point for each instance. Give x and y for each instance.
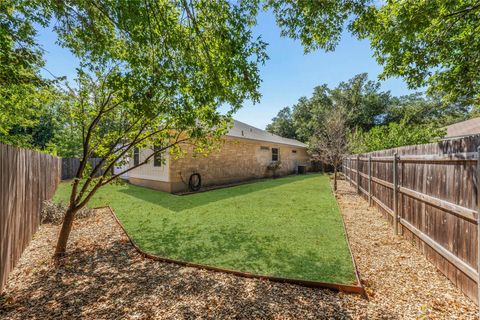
(395, 195)
(430, 194)
(370, 181)
(27, 178)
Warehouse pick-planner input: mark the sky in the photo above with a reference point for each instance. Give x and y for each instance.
(288, 75)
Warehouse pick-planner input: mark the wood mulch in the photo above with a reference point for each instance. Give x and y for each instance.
(103, 277)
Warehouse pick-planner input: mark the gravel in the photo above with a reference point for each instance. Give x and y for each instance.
(103, 277)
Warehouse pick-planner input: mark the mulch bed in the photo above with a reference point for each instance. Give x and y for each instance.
(103, 277)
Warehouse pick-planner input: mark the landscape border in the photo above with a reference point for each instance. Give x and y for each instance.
(357, 288)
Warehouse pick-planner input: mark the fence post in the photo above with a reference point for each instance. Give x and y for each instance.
(370, 180)
(350, 170)
(358, 174)
(478, 228)
(395, 195)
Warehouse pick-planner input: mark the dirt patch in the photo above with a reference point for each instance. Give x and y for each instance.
(103, 277)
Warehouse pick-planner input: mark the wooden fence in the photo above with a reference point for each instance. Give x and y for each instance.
(71, 165)
(429, 193)
(27, 178)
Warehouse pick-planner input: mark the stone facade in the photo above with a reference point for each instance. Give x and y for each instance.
(236, 160)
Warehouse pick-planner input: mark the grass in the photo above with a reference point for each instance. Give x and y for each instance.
(289, 227)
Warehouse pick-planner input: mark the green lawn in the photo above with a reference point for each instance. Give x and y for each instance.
(289, 227)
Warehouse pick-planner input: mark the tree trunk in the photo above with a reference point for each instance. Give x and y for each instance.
(335, 178)
(65, 232)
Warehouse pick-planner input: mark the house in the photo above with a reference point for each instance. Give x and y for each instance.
(462, 129)
(245, 153)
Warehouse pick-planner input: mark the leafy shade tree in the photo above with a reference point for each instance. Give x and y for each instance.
(329, 144)
(153, 74)
(394, 135)
(417, 109)
(364, 104)
(66, 138)
(309, 113)
(24, 94)
(428, 43)
(282, 124)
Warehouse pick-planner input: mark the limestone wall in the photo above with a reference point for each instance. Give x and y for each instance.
(235, 160)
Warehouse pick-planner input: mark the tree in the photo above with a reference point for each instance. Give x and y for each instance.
(394, 135)
(329, 144)
(428, 43)
(317, 24)
(24, 94)
(152, 75)
(66, 140)
(364, 104)
(308, 113)
(417, 108)
(282, 124)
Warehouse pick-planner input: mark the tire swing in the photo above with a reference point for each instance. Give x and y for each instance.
(195, 182)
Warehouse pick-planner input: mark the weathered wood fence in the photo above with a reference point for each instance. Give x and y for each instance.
(70, 167)
(27, 178)
(429, 193)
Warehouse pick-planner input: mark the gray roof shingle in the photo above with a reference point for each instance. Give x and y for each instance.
(464, 128)
(245, 131)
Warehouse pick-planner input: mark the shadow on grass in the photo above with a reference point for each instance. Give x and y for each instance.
(236, 248)
(178, 203)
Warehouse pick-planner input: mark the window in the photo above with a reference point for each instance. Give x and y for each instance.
(136, 156)
(294, 151)
(274, 154)
(157, 158)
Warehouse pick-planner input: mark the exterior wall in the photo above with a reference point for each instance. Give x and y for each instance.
(236, 160)
(153, 184)
(148, 175)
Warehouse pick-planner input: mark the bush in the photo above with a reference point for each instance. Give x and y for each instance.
(394, 135)
(54, 213)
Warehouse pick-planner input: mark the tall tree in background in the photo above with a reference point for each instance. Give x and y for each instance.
(282, 124)
(417, 108)
(374, 119)
(364, 104)
(309, 112)
(329, 143)
(428, 43)
(362, 100)
(153, 75)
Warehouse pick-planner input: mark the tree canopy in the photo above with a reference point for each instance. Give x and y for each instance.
(363, 103)
(373, 118)
(282, 124)
(428, 43)
(25, 96)
(152, 75)
(392, 135)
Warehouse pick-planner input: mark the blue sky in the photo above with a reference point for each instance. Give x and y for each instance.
(288, 75)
